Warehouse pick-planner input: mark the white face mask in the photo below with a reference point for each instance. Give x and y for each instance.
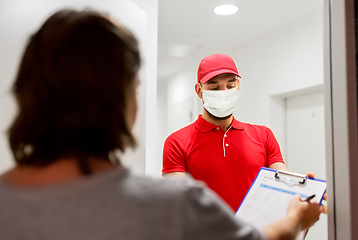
(221, 103)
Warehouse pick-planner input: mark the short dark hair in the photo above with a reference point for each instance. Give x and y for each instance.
(72, 88)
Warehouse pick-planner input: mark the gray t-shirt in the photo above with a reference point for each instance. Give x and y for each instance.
(118, 205)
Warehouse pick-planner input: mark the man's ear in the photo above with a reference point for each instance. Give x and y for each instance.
(198, 90)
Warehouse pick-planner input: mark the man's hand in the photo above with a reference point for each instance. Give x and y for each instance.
(311, 174)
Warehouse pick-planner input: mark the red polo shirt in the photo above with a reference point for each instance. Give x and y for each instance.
(227, 161)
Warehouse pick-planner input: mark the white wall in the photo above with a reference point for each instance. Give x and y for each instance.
(19, 18)
(146, 155)
(162, 129)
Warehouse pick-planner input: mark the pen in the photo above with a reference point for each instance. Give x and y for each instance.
(309, 198)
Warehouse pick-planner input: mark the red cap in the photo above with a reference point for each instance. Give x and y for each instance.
(214, 65)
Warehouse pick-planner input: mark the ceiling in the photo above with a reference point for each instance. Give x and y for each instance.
(189, 30)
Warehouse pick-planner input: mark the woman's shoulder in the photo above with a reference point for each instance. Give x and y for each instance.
(159, 186)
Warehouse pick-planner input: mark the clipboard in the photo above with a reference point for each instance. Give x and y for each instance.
(267, 199)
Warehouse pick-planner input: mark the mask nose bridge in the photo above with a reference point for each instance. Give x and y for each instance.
(222, 87)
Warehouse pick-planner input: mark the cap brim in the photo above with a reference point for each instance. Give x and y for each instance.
(216, 73)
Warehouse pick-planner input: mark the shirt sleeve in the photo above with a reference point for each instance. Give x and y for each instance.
(206, 216)
(173, 155)
(273, 151)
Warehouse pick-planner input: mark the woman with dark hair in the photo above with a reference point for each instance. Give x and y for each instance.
(76, 96)
(76, 75)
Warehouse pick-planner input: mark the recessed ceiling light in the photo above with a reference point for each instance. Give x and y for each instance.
(225, 9)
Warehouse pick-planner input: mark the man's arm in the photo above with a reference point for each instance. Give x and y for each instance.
(273, 152)
(174, 156)
(278, 166)
(174, 175)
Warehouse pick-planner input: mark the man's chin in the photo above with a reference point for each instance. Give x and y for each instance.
(219, 118)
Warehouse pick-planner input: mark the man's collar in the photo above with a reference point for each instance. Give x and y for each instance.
(236, 124)
(204, 126)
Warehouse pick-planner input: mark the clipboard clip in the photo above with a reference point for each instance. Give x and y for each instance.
(290, 178)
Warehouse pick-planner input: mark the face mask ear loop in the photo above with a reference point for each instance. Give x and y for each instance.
(202, 92)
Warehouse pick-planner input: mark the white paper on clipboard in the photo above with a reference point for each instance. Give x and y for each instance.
(267, 200)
